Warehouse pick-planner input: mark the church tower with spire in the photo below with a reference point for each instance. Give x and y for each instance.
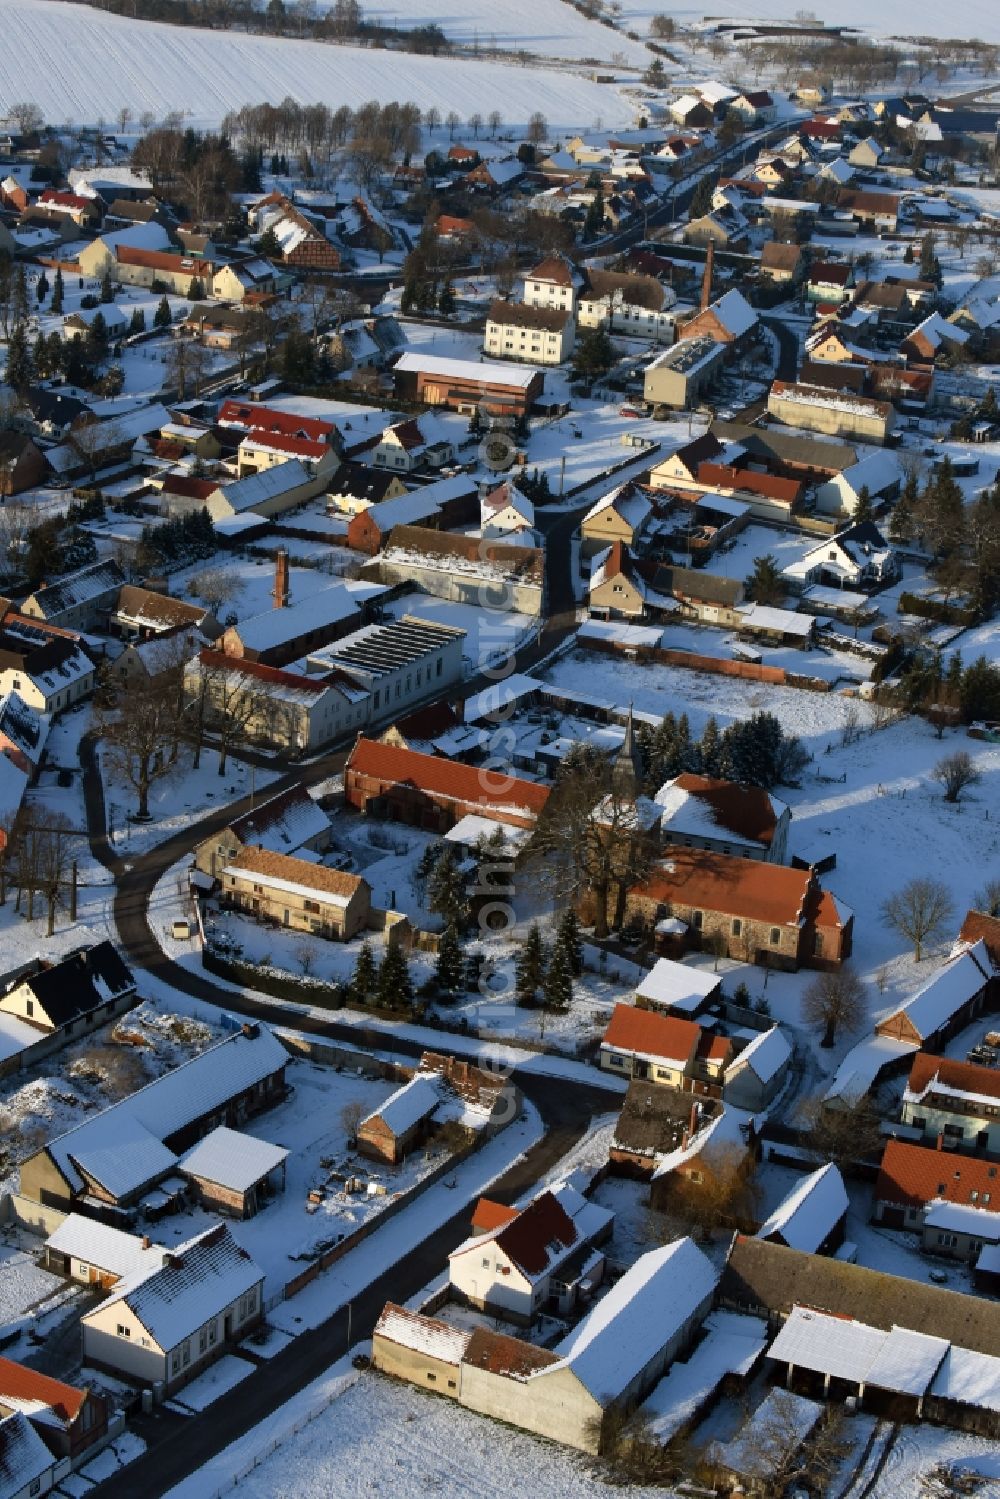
(627, 771)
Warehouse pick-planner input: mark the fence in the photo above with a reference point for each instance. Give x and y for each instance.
(749, 671)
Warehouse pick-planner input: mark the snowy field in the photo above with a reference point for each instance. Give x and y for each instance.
(382, 1440)
(96, 64)
(548, 28)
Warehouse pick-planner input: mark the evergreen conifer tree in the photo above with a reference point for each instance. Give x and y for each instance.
(364, 981)
(395, 987)
(162, 317)
(107, 289)
(557, 990)
(568, 937)
(20, 371)
(530, 968)
(450, 967)
(57, 292)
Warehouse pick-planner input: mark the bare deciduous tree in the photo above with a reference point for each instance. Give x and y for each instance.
(719, 1194)
(351, 1116)
(776, 1457)
(920, 911)
(987, 899)
(835, 1000)
(955, 772)
(140, 727)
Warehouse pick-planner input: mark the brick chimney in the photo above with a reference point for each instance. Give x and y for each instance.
(706, 280)
(281, 579)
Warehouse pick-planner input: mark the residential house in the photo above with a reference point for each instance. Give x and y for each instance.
(878, 471)
(952, 1200)
(758, 912)
(517, 330)
(627, 305)
(954, 1102)
(162, 1327)
(783, 265)
(69, 1419)
(303, 245)
(606, 1363)
(296, 893)
(405, 447)
(402, 1123)
(73, 997)
(813, 1217)
(28, 1465)
(431, 792)
(506, 512)
(655, 1124)
(100, 255)
(97, 1254)
(944, 1003)
(757, 1074)
(281, 824)
(858, 557)
(619, 516)
(49, 671)
(535, 1259)
(113, 1159)
(755, 107)
(705, 812)
(143, 614)
(727, 227)
(875, 211)
(270, 492)
(158, 658)
(495, 389)
(251, 280)
(260, 451)
(233, 1173)
(78, 601)
(554, 283)
(934, 339)
(23, 732)
(355, 486)
(22, 464)
(664, 1049)
(828, 281)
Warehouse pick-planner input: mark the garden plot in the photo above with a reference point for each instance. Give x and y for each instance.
(27, 1291)
(589, 439)
(386, 1439)
(735, 559)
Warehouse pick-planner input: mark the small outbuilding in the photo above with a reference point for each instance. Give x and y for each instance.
(235, 1173)
(402, 1122)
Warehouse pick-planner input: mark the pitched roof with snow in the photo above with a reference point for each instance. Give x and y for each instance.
(426, 1335)
(230, 1158)
(676, 986)
(283, 872)
(282, 823)
(770, 893)
(913, 1175)
(24, 1457)
(638, 1316)
(942, 1078)
(413, 1102)
(898, 1359)
(195, 1282)
(810, 1212)
(765, 1056)
(964, 975)
(110, 1249)
(447, 778)
(244, 494)
(701, 805)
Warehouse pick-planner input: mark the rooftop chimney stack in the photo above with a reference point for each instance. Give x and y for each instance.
(706, 284)
(281, 579)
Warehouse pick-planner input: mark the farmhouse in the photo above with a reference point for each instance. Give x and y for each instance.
(759, 912)
(280, 824)
(912, 1177)
(96, 1254)
(111, 1160)
(163, 1326)
(955, 1102)
(296, 893)
(665, 1049)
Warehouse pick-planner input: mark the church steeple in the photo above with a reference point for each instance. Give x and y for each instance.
(627, 773)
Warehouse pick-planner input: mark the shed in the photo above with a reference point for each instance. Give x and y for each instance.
(676, 989)
(757, 1074)
(403, 1120)
(233, 1172)
(812, 1217)
(96, 1253)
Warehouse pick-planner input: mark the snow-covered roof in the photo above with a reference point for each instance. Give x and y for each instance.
(766, 1055)
(232, 1159)
(471, 828)
(13, 785)
(630, 503)
(945, 992)
(735, 313)
(414, 1101)
(808, 1214)
(151, 236)
(863, 1063)
(105, 1247)
(282, 823)
(781, 1410)
(628, 1326)
(971, 1378)
(963, 1218)
(494, 373)
(24, 1457)
(733, 1344)
(724, 1135)
(326, 606)
(15, 1034)
(243, 494)
(194, 1282)
(677, 986)
(879, 470)
(901, 1360)
(781, 621)
(122, 1147)
(424, 1335)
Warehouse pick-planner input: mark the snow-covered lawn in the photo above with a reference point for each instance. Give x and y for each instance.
(384, 1440)
(918, 1449)
(24, 1287)
(226, 1374)
(98, 63)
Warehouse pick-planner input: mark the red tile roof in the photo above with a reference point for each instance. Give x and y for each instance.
(433, 774)
(64, 200)
(771, 893)
(489, 1215)
(714, 1048)
(254, 418)
(162, 260)
(963, 1077)
(298, 447)
(652, 1034)
(528, 1238)
(722, 476)
(216, 660)
(746, 810)
(195, 489)
(501, 1354)
(912, 1175)
(22, 1383)
(978, 925)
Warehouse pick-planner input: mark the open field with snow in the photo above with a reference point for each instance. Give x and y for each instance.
(979, 18)
(96, 64)
(549, 28)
